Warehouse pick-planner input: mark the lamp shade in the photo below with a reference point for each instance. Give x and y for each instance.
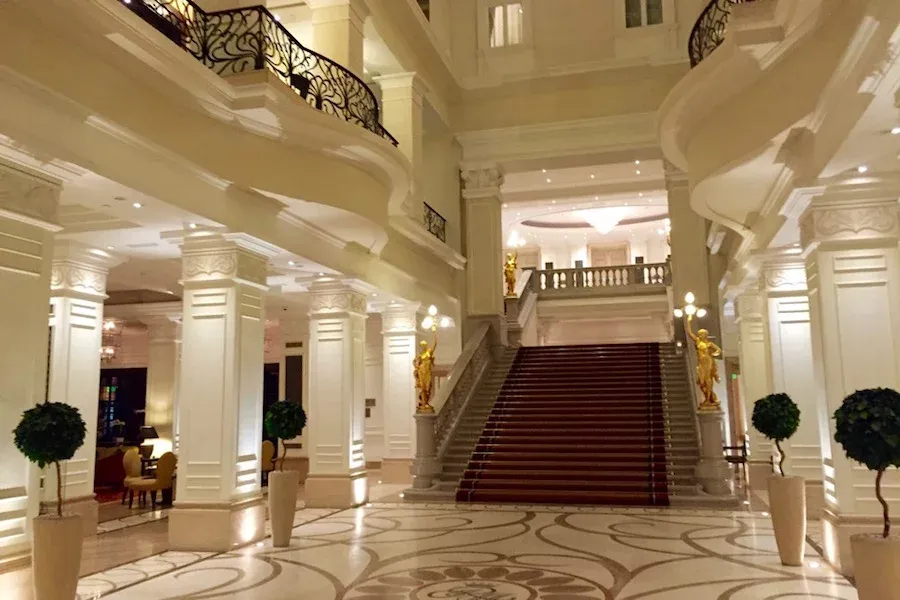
(148, 432)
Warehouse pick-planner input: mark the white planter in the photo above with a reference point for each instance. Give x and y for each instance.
(283, 486)
(56, 556)
(876, 566)
(787, 502)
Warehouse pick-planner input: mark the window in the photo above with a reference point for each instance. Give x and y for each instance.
(643, 12)
(505, 25)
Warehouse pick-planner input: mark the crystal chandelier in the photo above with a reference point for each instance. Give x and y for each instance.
(111, 341)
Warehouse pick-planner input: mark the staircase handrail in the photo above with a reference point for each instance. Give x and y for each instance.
(461, 385)
(708, 32)
(614, 277)
(251, 38)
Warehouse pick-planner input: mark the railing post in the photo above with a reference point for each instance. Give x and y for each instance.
(425, 467)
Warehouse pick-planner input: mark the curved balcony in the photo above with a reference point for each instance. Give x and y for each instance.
(250, 39)
(709, 30)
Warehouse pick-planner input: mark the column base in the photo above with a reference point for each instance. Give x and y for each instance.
(759, 472)
(815, 498)
(836, 532)
(299, 464)
(337, 491)
(715, 476)
(396, 470)
(85, 507)
(216, 527)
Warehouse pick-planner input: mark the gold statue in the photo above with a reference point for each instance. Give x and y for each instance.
(509, 272)
(707, 368)
(422, 366)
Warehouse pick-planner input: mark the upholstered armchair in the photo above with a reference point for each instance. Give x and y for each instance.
(165, 475)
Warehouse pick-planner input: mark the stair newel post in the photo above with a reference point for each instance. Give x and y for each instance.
(426, 465)
(712, 469)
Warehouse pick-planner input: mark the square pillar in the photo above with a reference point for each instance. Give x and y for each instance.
(28, 206)
(755, 380)
(690, 256)
(77, 292)
(218, 502)
(850, 237)
(783, 281)
(484, 249)
(338, 31)
(401, 114)
(337, 339)
(399, 397)
(163, 363)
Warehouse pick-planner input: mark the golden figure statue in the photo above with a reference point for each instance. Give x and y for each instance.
(509, 272)
(422, 367)
(707, 368)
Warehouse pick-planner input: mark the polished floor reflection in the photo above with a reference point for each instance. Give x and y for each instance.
(397, 552)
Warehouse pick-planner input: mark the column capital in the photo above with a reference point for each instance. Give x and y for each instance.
(333, 298)
(80, 270)
(482, 181)
(748, 306)
(782, 272)
(400, 318)
(212, 257)
(675, 177)
(401, 86)
(27, 198)
(853, 213)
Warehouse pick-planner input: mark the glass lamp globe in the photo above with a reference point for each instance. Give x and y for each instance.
(690, 310)
(689, 298)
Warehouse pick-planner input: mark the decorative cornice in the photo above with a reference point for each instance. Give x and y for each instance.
(331, 298)
(28, 198)
(482, 182)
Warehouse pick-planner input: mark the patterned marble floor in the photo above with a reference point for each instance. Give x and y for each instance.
(397, 552)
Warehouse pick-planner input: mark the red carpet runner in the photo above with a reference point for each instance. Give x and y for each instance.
(574, 425)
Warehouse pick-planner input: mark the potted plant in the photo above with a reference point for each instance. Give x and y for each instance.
(867, 426)
(285, 421)
(777, 417)
(47, 434)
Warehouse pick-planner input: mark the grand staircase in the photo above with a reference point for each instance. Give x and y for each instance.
(609, 424)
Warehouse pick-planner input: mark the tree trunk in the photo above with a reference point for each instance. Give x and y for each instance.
(884, 505)
(59, 498)
(781, 457)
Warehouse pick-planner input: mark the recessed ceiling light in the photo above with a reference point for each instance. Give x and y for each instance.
(640, 194)
(543, 170)
(553, 202)
(895, 130)
(374, 295)
(592, 175)
(137, 205)
(505, 205)
(638, 171)
(110, 248)
(637, 162)
(321, 274)
(192, 225)
(862, 169)
(596, 197)
(548, 180)
(291, 263)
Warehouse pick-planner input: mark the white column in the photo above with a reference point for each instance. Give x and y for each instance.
(399, 397)
(27, 215)
(338, 31)
(484, 248)
(783, 281)
(401, 114)
(755, 379)
(850, 235)
(77, 292)
(337, 337)
(163, 357)
(295, 338)
(218, 499)
(690, 257)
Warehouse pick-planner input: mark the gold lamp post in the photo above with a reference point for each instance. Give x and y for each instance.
(423, 364)
(707, 352)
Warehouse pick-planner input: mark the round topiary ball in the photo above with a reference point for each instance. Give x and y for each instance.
(49, 433)
(776, 416)
(285, 420)
(867, 425)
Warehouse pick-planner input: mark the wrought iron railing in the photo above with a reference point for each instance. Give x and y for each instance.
(709, 30)
(251, 39)
(624, 278)
(435, 223)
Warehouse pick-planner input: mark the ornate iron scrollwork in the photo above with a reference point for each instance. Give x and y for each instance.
(709, 30)
(435, 223)
(249, 39)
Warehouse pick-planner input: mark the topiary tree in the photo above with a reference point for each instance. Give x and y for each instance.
(285, 421)
(49, 433)
(777, 417)
(867, 426)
